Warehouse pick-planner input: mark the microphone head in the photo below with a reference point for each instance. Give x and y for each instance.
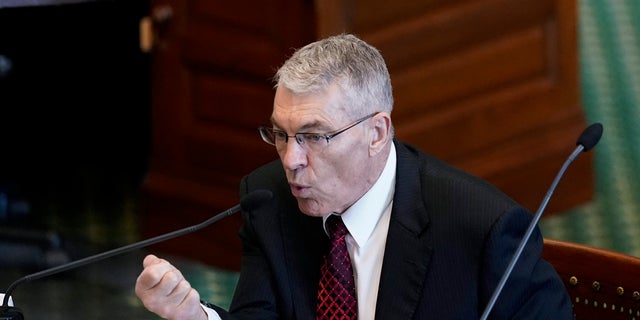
(11, 313)
(255, 199)
(590, 136)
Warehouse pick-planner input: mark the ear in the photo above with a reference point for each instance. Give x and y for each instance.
(380, 133)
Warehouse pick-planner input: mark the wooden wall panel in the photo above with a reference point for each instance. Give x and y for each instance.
(212, 88)
(489, 86)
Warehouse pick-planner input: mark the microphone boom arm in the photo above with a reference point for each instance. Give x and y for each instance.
(527, 234)
(117, 251)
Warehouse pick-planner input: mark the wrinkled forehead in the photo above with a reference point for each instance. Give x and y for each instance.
(319, 111)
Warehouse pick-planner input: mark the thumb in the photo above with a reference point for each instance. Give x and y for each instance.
(150, 260)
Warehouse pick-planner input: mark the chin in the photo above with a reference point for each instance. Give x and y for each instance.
(310, 208)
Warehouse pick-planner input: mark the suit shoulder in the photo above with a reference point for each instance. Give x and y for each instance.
(451, 184)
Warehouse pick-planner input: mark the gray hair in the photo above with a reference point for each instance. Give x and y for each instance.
(355, 66)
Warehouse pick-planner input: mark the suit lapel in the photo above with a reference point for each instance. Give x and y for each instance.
(304, 242)
(408, 248)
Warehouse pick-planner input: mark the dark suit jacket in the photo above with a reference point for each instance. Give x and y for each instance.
(450, 238)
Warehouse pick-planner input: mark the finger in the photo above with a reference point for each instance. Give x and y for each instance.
(180, 292)
(149, 260)
(170, 297)
(154, 273)
(163, 294)
(189, 304)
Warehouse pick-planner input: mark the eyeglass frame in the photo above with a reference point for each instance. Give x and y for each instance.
(300, 141)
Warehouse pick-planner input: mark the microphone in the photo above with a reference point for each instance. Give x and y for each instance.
(251, 201)
(587, 140)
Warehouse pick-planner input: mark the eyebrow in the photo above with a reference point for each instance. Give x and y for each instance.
(315, 125)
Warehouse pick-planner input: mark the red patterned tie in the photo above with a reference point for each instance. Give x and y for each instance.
(337, 293)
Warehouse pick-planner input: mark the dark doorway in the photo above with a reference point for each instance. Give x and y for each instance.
(74, 118)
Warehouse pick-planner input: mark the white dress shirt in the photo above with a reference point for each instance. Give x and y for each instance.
(368, 223)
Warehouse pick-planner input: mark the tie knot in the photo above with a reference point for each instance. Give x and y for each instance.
(336, 227)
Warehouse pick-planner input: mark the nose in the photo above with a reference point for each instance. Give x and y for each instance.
(293, 156)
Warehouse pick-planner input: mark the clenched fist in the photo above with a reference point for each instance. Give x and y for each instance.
(165, 292)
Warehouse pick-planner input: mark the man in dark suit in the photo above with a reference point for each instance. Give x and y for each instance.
(425, 240)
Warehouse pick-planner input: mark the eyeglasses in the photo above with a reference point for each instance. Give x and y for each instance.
(308, 140)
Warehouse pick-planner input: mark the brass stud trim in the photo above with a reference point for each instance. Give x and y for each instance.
(595, 286)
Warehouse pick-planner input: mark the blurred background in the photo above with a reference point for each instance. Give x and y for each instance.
(609, 48)
(124, 119)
